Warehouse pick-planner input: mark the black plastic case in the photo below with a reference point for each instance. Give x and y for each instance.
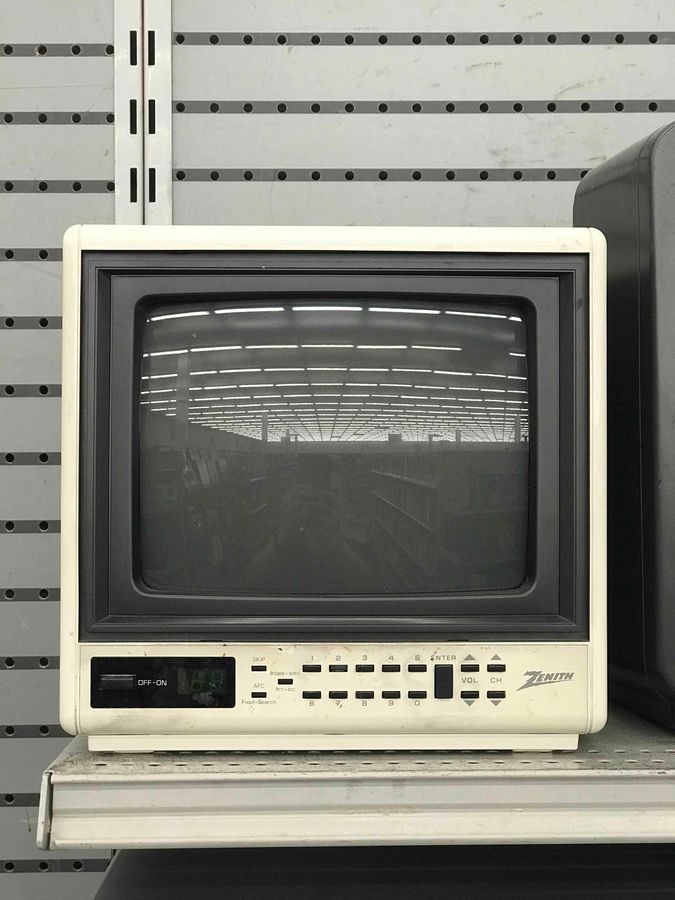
(631, 198)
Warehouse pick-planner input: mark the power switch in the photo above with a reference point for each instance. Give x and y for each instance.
(443, 682)
(117, 683)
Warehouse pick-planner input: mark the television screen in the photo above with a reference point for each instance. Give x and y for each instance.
(322, 447)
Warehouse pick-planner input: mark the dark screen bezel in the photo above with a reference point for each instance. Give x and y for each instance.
(554, 597)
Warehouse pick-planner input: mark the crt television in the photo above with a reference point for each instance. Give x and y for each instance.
(631, 197)
(336, 488)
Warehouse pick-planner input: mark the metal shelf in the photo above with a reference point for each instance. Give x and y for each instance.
(619, 786)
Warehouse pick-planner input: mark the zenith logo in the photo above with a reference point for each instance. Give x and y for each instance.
(536, 679)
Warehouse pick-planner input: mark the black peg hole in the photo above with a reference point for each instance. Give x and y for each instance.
(552, 38)
(43, 526)
(484, 39)
(382, 39)
(8, 49)
(9, 662)
(450, 175)
(41, 50)
(585, 38)
(585, 106)
(316, 176)
(44, 457)
(44, 729)
(281, 107)
(9, 389)
(9, 593)
(282, 176)
(9, 459)
(315, 39)
(281, 39)
(43, 186)
(248, 107)
(9, 865)
(9, 322)
(75, 118)
(383, 175)
(551, 107)
(248, 175)
(315, 107)
(9, 526)
(43, 865)
(517, 107)
(583, 173)
(43, 594)
(417, 107)
(449, 39)
(43, 662)
(77, 186)
(483, 107)
(110, 118)
(180, 38)
(349, 39)
(619, 38)
(214, 39)
(77, 865)
(180, 175)
(248, 39)
(449, 107)
(214, 107)
(8, 117)
(110, 186)
(653, 106)
(180, 107)
(619, 107)
(551, 175)
(42, 118)
(349, 107)
(43, 254)
(10, 730)
(416, 175)
(416, 39)
(43, 389)
(383, 107)
(109, 50)
(653, 38)
(214, 176)
(76, 49)
(517, 39)
(349, 176)
(9, 799)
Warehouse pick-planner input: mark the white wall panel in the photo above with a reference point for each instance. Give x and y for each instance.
(450, 15)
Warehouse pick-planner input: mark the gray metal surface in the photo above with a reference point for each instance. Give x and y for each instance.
(56, 169)
(349, 114)
(619, 786)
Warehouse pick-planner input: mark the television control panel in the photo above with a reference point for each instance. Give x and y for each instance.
(325, 690)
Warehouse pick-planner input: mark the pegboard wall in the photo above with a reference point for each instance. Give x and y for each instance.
(429, 112)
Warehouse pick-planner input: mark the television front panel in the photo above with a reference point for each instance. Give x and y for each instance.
(333, 487)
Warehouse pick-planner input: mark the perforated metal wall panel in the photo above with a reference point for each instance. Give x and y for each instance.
(422, 113)
(57, 168)
(362, 111)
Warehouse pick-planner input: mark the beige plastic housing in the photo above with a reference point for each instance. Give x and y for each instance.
(552, 691)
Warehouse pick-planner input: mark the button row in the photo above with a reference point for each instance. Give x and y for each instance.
(474, 695)
(360, 667)
(364, 695)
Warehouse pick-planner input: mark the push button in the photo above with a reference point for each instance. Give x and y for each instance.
(364, 667)
(496, 667)
(311, 667)
(470, 667)
(443, 685)
(117, 683)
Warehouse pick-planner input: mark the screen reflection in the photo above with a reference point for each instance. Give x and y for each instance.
(334, 447)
